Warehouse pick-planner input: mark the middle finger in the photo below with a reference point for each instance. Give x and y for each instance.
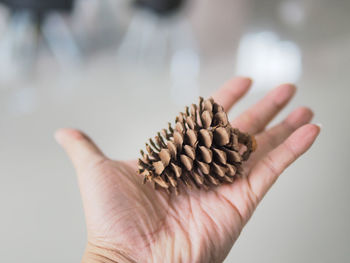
(255, 119)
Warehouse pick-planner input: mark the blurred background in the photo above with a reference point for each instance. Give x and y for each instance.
(119, 70)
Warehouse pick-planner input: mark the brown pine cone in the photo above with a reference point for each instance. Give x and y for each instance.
(202, 150)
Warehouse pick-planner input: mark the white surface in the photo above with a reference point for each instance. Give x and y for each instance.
(305, 217)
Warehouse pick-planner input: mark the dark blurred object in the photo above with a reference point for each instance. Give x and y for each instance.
(39, 6)
(32, 26)
(161, 7)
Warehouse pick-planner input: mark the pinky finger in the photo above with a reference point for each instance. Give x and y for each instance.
(266, 172)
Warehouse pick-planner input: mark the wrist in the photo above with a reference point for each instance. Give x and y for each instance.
(96, 254)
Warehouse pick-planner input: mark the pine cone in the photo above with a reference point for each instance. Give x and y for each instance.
(202, 150)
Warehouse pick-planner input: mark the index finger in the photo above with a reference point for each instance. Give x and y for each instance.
(231, 92)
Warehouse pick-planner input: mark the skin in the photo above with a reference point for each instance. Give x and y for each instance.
(131, 222)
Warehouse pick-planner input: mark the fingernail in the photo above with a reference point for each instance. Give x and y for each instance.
(243, 78)
(58, 137)
(320, 125)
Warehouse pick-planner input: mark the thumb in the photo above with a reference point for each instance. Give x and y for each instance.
(79, 147)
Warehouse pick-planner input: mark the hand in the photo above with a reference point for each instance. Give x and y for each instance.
(131, 222)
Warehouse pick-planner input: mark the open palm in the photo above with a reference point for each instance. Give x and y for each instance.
(131, 222)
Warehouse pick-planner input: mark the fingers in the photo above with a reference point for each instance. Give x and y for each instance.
(255, 119)
(273, 137)
(266, 172)
(80, 148)
(232, 91)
